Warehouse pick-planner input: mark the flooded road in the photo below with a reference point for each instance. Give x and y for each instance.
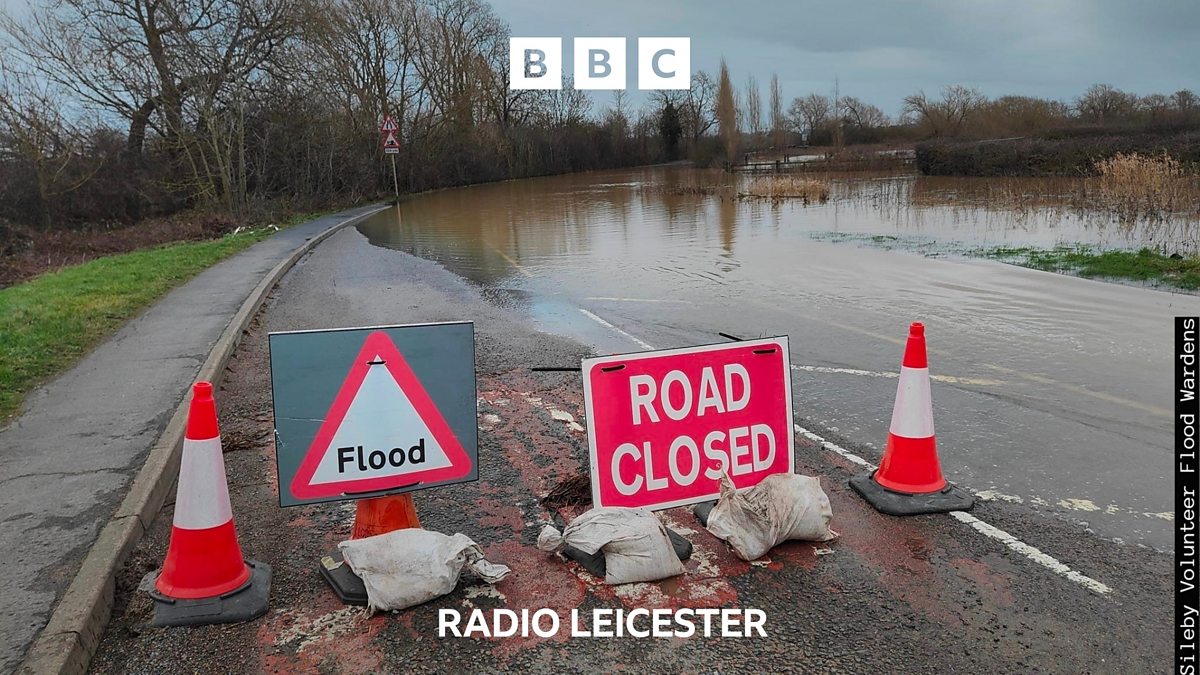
(1050, 391)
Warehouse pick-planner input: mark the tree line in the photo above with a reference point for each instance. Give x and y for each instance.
(115, 110)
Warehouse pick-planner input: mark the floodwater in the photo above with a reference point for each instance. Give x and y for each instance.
(622, 219)
(1053, 391)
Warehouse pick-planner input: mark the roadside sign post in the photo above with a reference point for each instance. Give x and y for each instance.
(365, 413)
(664, 426)
(390, 129)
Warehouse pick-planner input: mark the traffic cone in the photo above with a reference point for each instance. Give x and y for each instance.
(204, 578)
(381, 515)
(909, 479)
(374, 516)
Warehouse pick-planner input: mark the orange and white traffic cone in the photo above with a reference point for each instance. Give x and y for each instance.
(909, 480)
(373, 516)
(204, 578)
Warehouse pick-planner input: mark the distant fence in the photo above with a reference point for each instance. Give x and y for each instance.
(846, 161)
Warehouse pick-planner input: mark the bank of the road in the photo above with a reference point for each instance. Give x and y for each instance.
(92, 455)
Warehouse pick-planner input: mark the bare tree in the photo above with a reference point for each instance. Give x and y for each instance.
(944, 117)
(698, 106)
(727, 115)
(861, 114)
(1185, 101)
(35, 134)
(778, 120)
(754, 121)
(1105, 103)
(810, 113)
(564, 107)
(144, 59)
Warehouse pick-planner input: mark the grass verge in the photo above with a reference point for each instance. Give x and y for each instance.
(1146, 265)
(48, 323)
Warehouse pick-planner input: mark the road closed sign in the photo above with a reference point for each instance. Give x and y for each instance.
(664, 426)
(371, 411)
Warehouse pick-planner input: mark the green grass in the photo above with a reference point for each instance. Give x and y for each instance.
(48, 323)
(1145, 265)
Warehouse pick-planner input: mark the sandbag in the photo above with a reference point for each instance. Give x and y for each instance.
(635, 544)
(411, 566)
(782, 507)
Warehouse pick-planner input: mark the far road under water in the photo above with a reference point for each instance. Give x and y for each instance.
(1049, 390)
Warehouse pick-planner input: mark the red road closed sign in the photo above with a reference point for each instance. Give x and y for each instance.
(664, 426)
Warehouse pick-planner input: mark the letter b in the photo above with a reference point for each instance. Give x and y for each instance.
(599, 63)
(535, 63)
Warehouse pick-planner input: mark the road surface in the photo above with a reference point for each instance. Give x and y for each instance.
(1020, 588)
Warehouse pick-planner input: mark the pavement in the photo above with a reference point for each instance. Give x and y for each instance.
(70, 455)
(997, 591)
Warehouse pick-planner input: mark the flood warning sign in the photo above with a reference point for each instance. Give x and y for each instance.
(382, 431)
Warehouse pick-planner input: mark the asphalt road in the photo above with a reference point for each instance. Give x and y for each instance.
(925, 594)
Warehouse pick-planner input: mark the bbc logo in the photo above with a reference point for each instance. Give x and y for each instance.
(662, 63)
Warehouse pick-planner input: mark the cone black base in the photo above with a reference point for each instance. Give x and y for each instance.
(948, 499)
(242, 604)
(347, 585)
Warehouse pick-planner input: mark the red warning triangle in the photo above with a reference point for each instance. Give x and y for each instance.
(389, 141)
(382, 432)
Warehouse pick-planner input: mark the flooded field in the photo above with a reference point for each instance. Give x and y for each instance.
(694, 221)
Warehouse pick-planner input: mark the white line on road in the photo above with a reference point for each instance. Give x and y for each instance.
(654, 300)
(1031, 552)
(1043, 559)
(834, 447)
(636, 340)
(948, 379)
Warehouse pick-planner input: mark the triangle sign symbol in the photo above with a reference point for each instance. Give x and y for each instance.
(382, 432)
(390, 141)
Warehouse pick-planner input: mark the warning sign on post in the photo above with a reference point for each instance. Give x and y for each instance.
(362, 412)
(663, 427)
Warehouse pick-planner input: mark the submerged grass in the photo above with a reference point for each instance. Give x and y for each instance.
(48, 323)
(1145, 265)
(785, 187)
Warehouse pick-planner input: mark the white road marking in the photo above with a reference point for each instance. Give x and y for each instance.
(636, 340)
(992, 495)
(516, 265)
(835, 448)
(656, 300)
(1034, 554)
(1031, 552)
(948, 379)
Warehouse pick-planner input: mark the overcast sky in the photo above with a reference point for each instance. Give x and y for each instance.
(882, 50)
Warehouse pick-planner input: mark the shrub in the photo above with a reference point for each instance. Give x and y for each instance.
(1068, 156)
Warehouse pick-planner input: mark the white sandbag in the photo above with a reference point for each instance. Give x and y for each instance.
(782, 507)
(635, 544)
(410, 566)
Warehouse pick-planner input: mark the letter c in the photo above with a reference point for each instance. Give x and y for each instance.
(622, 450)
(654, 63)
